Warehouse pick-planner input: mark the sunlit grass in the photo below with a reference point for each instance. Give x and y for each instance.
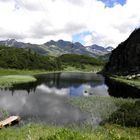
(85, 68)
(131, 82)
(20, 72)
(9, 80)
(45, 132)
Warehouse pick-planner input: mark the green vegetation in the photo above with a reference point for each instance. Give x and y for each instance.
(3, 114)
(18, 58)
(74, 62)
(87, 68)
(4, 72)
(26, 59)
(123, 79)
(127, 115)
(78, 60)
(115, 118)
(105, 108)
(9, 80)
(44, 132)
(100, 107)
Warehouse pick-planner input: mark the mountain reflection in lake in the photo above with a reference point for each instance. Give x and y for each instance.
(47, 99)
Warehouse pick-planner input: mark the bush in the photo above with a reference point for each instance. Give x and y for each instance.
(127, 115)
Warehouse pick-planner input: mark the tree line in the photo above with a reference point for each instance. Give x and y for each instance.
(19, 58)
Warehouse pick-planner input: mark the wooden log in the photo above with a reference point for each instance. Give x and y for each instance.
(9, 121)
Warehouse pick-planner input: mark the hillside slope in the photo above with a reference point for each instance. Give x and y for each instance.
(125, 59)
(19, 58)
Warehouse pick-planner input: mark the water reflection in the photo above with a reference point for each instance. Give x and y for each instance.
(47, 99)
(40, 107)
(68, 84)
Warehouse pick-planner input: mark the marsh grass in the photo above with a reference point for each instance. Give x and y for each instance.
(101, 109)
(9, 80)
(3, 114)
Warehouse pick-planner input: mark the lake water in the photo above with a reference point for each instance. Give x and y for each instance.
(47, 99)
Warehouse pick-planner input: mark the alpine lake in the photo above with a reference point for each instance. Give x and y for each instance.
(47, 99)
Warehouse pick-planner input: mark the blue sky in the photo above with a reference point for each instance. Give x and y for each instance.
(80, 37)
(108, 3)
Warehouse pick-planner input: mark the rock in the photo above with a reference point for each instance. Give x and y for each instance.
(125, 59)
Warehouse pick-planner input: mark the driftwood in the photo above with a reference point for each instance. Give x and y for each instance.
(9, 121)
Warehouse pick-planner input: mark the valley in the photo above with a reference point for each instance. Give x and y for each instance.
(69, 95)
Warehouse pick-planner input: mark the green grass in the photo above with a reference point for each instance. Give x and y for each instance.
(9, 80)
(20, 72)
(123, 79)
(45, 132)
(85, 68)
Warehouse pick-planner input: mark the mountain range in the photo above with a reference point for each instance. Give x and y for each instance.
(57, 48)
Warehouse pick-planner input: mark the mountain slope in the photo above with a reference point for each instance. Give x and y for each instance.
(60, 47)
(63, 47)
(14, 43)
(19, 58)
(125, 59)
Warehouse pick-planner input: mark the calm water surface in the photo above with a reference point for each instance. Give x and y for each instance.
(47, 99)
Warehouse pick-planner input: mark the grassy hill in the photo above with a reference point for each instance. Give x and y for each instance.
(80, 62)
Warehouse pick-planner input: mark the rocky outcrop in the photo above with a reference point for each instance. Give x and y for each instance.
(125, 59)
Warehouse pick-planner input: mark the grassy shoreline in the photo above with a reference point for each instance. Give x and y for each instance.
(9, 80)
(4, 72)
(34, 72)
(8, 77)
(123, 79)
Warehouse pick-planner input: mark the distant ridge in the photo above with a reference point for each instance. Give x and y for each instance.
(57, 48)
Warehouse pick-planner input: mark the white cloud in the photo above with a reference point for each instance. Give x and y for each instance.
(38, 21)
(88, 39)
